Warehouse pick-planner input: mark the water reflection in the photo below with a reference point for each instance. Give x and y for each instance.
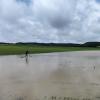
(27, 59)
(52, 76)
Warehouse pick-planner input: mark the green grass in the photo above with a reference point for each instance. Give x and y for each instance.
(15, 49)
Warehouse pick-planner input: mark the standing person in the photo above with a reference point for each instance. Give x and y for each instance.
(26, 53)
(26, 56)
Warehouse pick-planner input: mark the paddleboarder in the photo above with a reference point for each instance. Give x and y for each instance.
(26, 53)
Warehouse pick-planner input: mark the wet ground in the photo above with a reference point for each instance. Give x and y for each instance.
(52, 76)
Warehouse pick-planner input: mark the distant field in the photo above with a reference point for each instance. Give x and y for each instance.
(20, 49)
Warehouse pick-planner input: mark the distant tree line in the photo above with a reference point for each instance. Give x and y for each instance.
(91, 44)
(87, 44)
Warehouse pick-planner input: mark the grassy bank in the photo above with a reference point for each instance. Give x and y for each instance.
(20, 49)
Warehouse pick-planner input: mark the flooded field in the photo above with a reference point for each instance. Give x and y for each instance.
(53, 76)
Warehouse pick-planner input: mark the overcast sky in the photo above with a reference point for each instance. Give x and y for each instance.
(49, 20)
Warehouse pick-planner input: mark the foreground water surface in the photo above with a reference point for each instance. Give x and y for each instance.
(52, 76)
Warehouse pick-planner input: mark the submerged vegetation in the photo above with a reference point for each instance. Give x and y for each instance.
(12, 49)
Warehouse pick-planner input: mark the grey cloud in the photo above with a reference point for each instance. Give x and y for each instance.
(60, 22)
(26, 2)
(59, 15)
(46, 21)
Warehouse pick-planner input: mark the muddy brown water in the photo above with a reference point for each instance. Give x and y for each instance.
(52, 76)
